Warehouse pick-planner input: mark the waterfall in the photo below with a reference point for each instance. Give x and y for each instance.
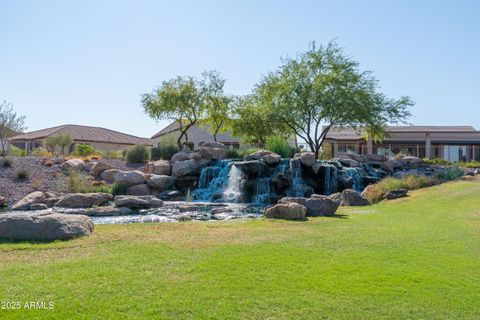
(263, 191)
(298, 187)
(233, 191)
(357, 178)
(213, 180)
(330, 182)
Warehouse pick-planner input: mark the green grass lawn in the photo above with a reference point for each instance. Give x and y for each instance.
(415, 258)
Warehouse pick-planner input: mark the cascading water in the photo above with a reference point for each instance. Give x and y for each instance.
(263, 191)
(213, 179)
(233, 191)
(330, 183)
(298, 187)
(357, 179)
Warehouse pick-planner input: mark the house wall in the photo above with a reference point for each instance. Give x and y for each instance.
(102, 146)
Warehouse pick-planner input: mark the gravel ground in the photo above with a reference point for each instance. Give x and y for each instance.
(45, 177)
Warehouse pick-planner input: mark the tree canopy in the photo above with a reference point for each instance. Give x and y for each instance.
(322, 88)
(10, 124)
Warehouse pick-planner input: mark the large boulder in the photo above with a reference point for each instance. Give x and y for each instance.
(409, 160)
(3, 202)
(354, 156)
(160, 182)
(353, 198)
(83, 200)
(349, 163)
(29, 200)
(316, 206)
(98, 211)
(395, 194)
(306, 158)
(266, 156)
(44, 227)
(98, 168)
(138, 202)
(181, 156)
(185, 168)
(376, 157)
(75, 164)
(109, 175)
(288, 211)
(129, 178)
(138, 190)
(213, 150)
(161, 167)
(252, 167)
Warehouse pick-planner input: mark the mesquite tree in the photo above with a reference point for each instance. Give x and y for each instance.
(323, 88)
(10, 124)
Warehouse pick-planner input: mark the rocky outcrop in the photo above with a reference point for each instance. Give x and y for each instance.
(138, 202)
(29, 200)
(44, 227)
(75, 164)
(187, 163)
(97, 211)
(317, 205)
(138, 190)
(306, 158)
(287, 211)
(109, 175)
(213, 150)
(129, 178)
(161, 167)
(3, 202)
(268, 157)
(353, 198)
(395, 194)
(83, 200)
(160, 182)
(98, 168)
(252, 167)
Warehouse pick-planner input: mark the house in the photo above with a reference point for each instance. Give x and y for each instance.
(198, 134)
(453, 143)
(99, 138)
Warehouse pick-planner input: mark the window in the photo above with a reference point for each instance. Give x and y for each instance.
(346, 148)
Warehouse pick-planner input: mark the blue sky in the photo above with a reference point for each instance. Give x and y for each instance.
(88, 62)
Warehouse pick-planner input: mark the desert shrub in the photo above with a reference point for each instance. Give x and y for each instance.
(84, 150)
(41, 152)
(16, 151)
(376, 191)
(101, 188)
(232, 154)
(280, 146)
(471, 164)
(155, 154)
(22, 174)
(118, 189)
(166, 151)
(137, 154)
(112, 155)
(326, 152)
(438, 161)
(36, 183)
(6, 163)
(450, 173)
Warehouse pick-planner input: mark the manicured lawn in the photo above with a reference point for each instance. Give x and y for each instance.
(417, 258)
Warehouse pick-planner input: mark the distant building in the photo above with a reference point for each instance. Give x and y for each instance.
(99, 138)
(453, 143)
(198, 134)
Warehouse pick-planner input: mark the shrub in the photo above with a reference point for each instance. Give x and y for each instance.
(75, 182)
(41, 152)
(36, 183)
(376, 191)
(137, 154)
(16, 152)
(22, 174)
(7, 163)
(451, 173)
(438, 161)
(118, 189)
(84, 150)
(112, 155)
(326, 152)
(280, 146)
(166, 151)
(232, 154)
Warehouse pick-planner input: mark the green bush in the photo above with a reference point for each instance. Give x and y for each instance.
(22, 174)
(84, 150)
(280, 146)
(7, 163)
(165, 151)
(233, 154)
(155, 154)
(41, 152)
(137, 154)
(438, 162)
(118, 189)
(451, 173)
(376, 191)
(111, 154)
(16, 152)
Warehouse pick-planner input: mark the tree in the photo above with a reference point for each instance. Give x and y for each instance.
(253, 122)
(323, 88)
(64, 140)
(219, 105)
(51, 143)
(10, 124)
(183, 100)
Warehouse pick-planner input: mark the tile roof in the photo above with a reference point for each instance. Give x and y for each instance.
(85, 133)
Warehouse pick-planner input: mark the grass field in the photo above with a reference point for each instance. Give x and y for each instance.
(415, 258)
